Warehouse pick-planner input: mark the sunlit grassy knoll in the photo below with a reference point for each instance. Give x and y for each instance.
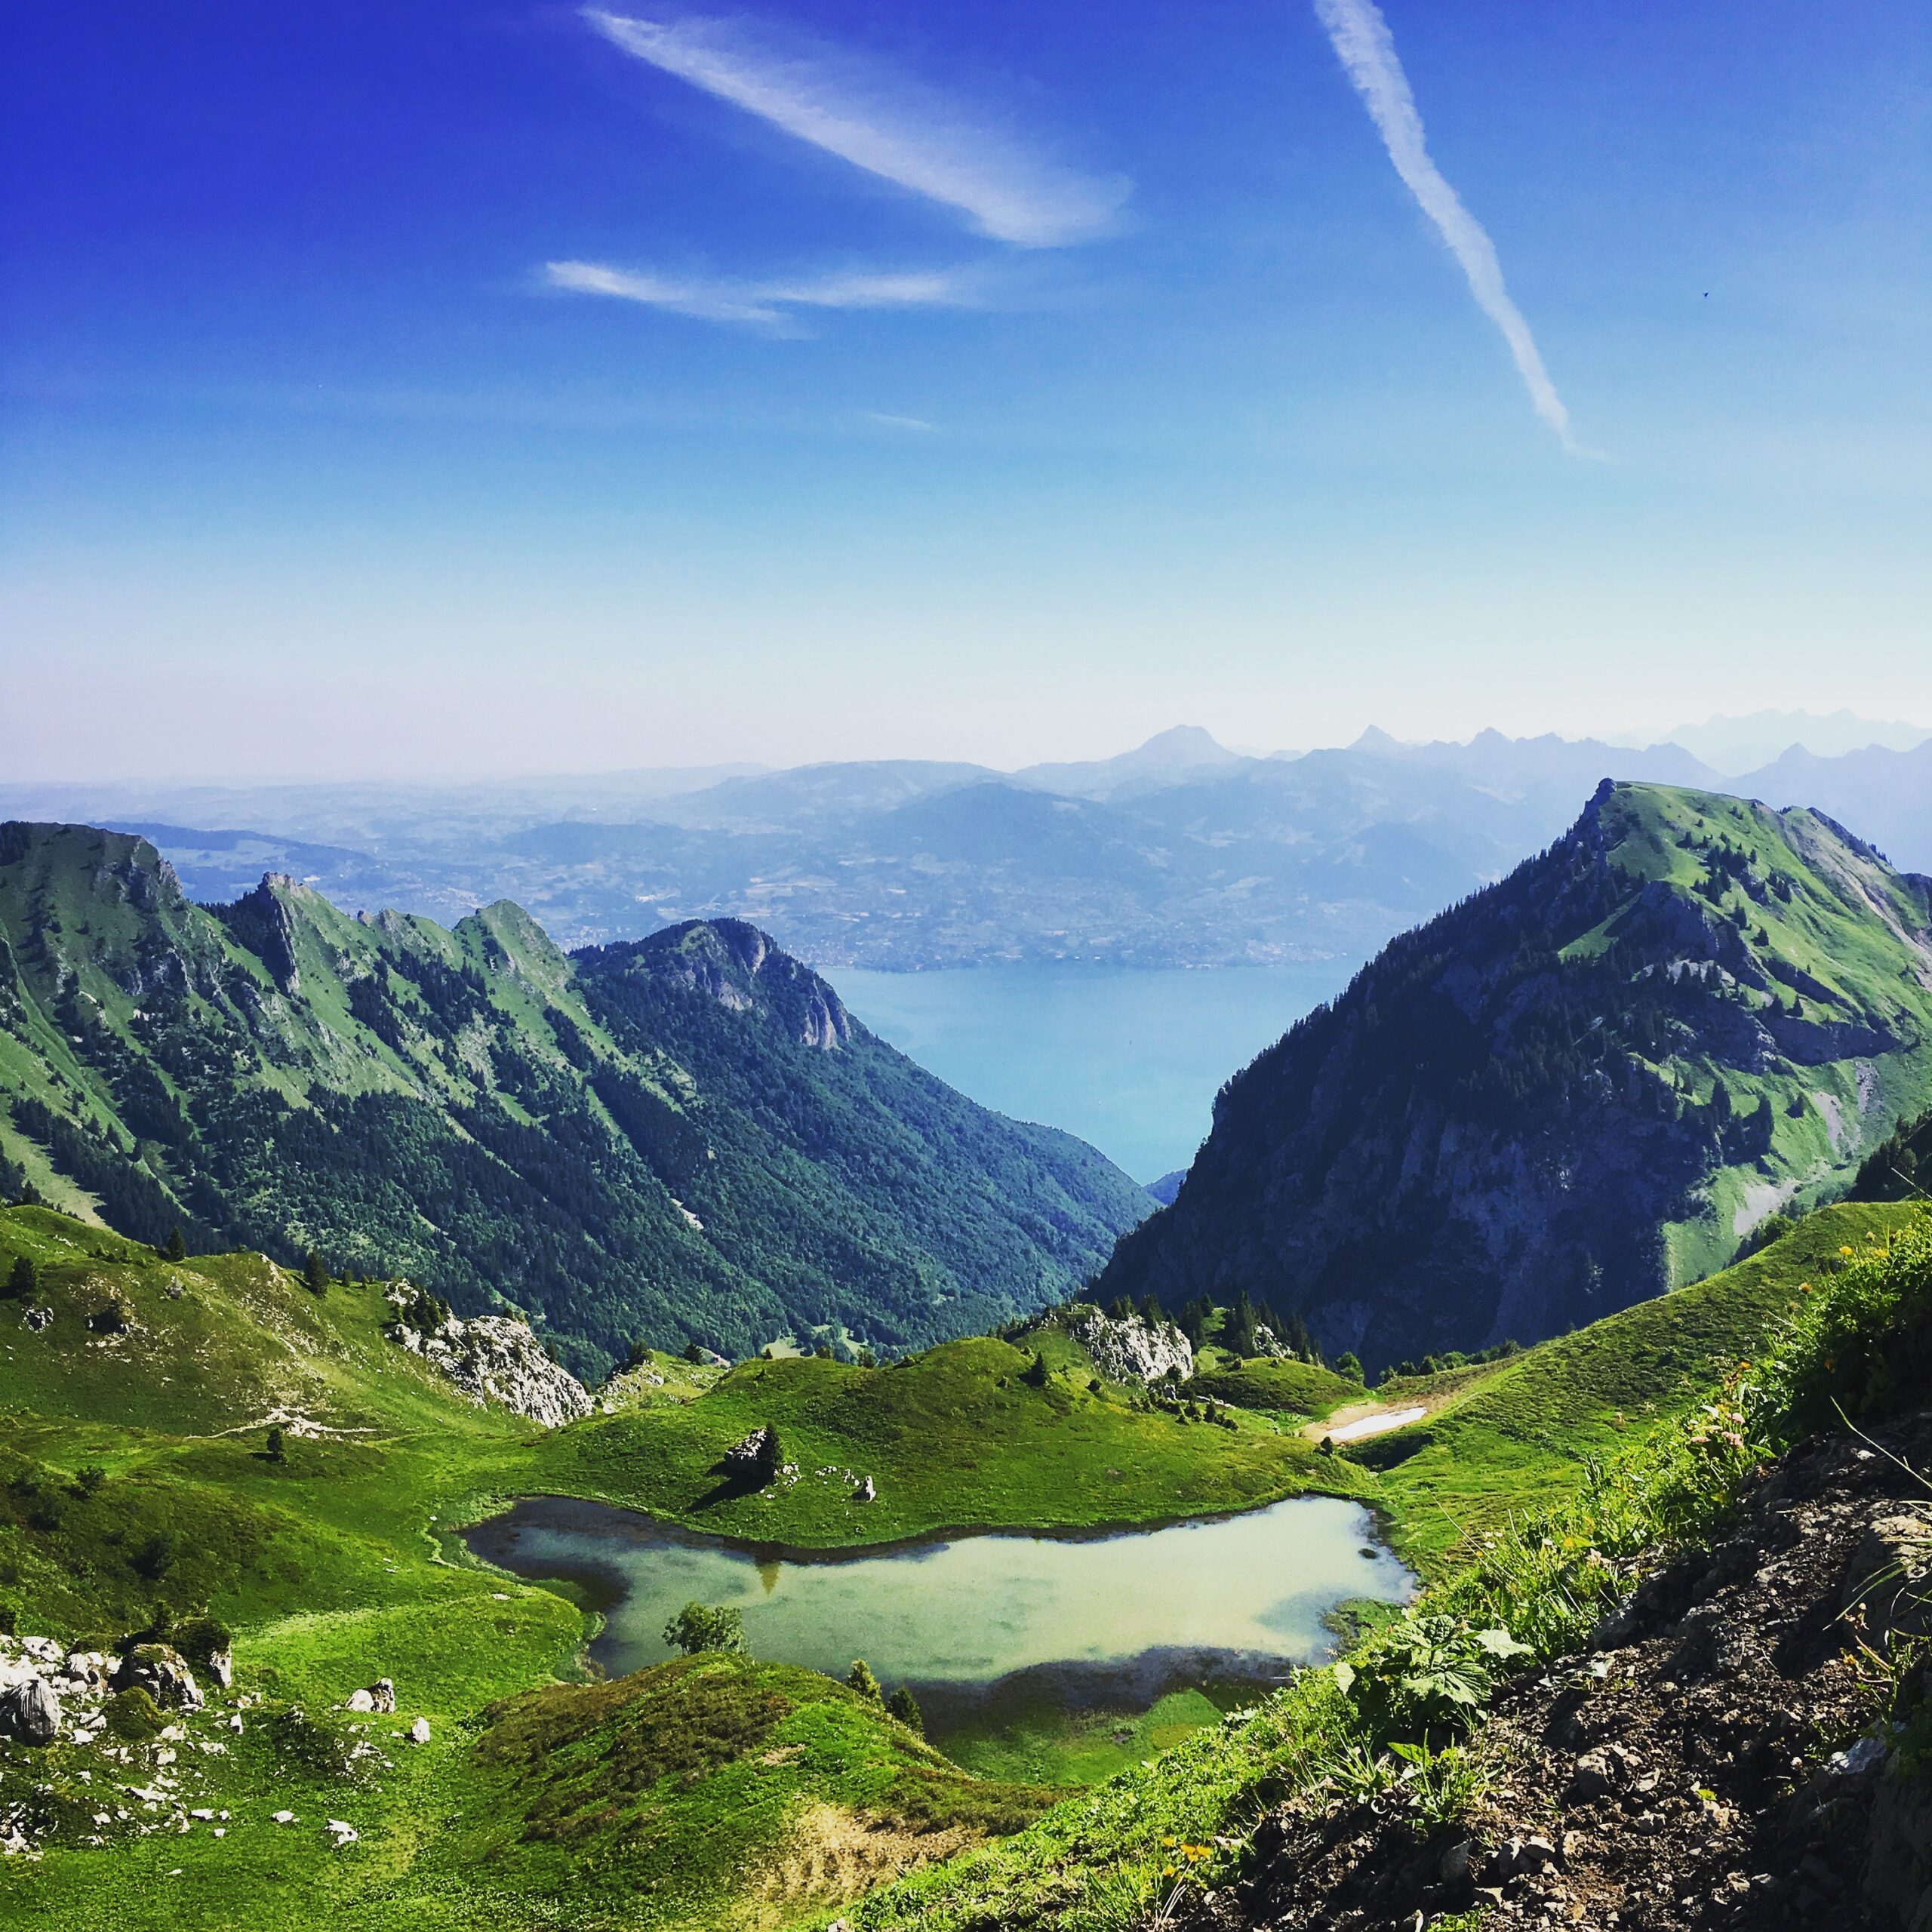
(1516, 1433)
(957, 1438)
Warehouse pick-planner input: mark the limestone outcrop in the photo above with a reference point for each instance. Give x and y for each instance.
(493, 1359)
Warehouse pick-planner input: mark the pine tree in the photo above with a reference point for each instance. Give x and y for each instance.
(177, 1249)
(315, 1276)
(860, 1678)
(905, 1707)
(23, 1281)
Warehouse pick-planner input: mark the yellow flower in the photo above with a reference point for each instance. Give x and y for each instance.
(1846, 1249)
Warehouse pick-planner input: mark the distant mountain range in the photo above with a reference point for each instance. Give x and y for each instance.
(1583, 1086)
(1738, 745)
(681, 1138)
(1180, 853)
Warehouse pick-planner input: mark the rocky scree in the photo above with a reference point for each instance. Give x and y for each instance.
(1730, 1752)
(491, 1357)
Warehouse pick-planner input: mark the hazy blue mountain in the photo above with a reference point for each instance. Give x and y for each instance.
(1886, 794)
(1736, 744)
(1168, 758)
(1180, 853)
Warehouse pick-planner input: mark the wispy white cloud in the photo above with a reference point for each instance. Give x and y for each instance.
(917, 425)
(1366, 51)
(881, 121)
(765, 304)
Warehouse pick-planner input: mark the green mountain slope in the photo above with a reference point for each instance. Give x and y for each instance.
(1582, 1086)
(684, 1138)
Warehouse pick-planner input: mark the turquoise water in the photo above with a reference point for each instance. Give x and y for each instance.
(1036, 1624)
(1129, 1060)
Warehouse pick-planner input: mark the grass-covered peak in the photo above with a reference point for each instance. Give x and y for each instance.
(1585, 1084)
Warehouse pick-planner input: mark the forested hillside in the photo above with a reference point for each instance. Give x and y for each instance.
(1587, 1084)
(684, 1138)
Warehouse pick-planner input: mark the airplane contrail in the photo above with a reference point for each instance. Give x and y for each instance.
(1366, 51)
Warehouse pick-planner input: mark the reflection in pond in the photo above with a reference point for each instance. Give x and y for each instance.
(994, 1632)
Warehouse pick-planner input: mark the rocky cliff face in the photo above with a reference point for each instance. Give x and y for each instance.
(1574, 1090)
(1132, 1350)
(493, 1359)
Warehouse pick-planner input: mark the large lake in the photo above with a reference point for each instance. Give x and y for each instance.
(1129, 1060)
(997, 1634)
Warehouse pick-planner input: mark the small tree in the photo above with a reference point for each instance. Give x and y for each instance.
(22, 1279)
(859, 1678)
(276, 1449)
(1237, 1335)
(1034, 1373)
(905, 1707)
(700, 1627)
(1349, 1363)
(89, 1480)
(177, 1249)
(693, 1353)
(315, 1276)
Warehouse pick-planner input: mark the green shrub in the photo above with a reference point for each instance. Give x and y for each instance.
(154, 1555)
(199, 1639)
(859, 1678)
(700, 1627)
(133, 1716)
(22, 1279)
(905, 1707)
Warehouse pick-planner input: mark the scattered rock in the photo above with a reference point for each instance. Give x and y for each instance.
(755, 1459)
(163, 1671)
(866, 1492)
(379, 1696)
(37, 1318)
(418, 1732)
(1130, 1350)
(30, 1712)
(344, 1834)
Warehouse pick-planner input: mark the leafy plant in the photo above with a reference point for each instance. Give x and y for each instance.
(860, 1678)
(1426, 1672)
(1443, 1785)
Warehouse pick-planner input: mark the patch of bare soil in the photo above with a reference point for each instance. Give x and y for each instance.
(834, 1854)
(1710, 1762)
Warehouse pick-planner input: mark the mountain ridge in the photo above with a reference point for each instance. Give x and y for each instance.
(686, 1137)
(1569, 1092)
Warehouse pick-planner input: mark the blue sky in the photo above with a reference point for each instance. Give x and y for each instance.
(428, 388)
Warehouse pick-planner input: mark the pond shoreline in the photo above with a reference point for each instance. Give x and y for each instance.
(764, 1550)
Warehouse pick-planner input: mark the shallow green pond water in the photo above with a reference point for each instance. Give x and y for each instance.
(1026, 1652)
